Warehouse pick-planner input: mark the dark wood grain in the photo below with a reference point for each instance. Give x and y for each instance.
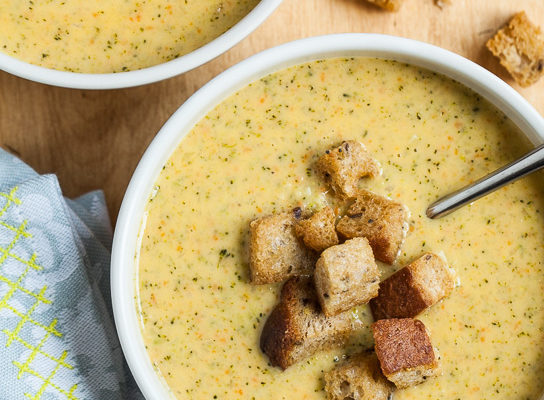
(94, 139)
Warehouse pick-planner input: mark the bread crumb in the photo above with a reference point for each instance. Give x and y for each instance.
(442, 3)
(389, 5)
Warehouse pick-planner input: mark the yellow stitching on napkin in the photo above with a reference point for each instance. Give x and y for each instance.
(11, 198)
(47, 382)
(40, 351)
(17, 286)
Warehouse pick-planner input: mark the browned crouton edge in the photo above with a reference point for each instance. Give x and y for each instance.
(297, 328)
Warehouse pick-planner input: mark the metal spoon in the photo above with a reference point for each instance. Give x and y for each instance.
(527, 164)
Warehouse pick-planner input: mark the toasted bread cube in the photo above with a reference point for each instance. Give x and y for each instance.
(275, 251)
(346, 275)
(343, 167)
(389, 5)
(382, 221)
(405, 351)
(318, 232)
(359, 378)
(296, 328)
(520, 48)
(414, 288)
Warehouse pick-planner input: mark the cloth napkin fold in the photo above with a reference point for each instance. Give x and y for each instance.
(57, 337)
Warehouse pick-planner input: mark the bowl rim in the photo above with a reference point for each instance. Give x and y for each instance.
(155, 73)
(131, 219)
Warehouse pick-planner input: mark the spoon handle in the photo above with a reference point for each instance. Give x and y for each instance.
(530, 162)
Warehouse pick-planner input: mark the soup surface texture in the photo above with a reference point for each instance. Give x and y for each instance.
(100, 36)
(252, 155)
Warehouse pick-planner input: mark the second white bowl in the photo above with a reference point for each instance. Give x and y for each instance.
(146, 75)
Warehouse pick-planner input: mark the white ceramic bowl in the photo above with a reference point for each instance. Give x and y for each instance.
(125, 244)
(146, 75)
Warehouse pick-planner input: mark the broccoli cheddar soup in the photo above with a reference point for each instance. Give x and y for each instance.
(255, 154)
(102, 36)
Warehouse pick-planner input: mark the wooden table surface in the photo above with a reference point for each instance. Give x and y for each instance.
(94, 139)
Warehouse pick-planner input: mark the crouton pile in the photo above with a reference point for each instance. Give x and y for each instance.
(328, 264)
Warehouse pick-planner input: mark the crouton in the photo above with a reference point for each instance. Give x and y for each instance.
(296, 328)
(414, 288)
(389, 5)
(520, 49)
(382, 221)
(405, 351)
(359, 378)
(343, 167)
(275, 252)
(318, 232)
(346, 275)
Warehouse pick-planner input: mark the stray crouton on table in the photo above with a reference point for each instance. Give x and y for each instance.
(520, 49)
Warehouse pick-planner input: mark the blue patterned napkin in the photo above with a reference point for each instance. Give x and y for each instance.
(57, 338)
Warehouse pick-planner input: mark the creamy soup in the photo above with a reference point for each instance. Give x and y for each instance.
(100, 36)
(252, 155)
